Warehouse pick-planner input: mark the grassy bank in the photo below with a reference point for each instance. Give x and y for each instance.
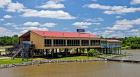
(76, 58)
(13, 61)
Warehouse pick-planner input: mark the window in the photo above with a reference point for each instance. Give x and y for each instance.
(73, 42)
(48, 42)
(85, 42)
(59, 42)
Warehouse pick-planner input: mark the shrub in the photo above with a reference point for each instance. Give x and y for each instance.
(92, 52)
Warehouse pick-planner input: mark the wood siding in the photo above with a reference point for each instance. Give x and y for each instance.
(37, 40)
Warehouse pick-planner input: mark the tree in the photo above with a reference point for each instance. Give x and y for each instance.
(7, 40)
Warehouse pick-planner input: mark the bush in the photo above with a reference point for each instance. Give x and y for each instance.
(135, 46)
(92, 52)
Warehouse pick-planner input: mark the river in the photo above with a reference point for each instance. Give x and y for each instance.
(133, 55)
(87, 69)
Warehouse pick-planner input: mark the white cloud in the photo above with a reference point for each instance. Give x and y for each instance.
(18, 7)
(135, 2)
(113, 9)
(52, 5)
(37, 24)
(6, 32)
(122, 28)
(125, 24)
(118, 17)
(25, 29)
(135, 30)
(3, 3)
(2, 19)
(82, 24)
(98, 6)
(7, 16)
(9, 24)
(49, 25)
(2, 29)
(59, 14)
(94, 19)
(33, 24)
(13, 7)
(10, 6)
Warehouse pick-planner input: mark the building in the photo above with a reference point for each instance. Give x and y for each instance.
(49, 42)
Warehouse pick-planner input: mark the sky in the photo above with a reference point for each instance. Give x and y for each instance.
(107, 18)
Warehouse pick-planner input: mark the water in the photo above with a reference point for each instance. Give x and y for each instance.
(88, 69)
(133, 55)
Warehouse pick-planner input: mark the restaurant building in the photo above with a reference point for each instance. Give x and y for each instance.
(50, 42)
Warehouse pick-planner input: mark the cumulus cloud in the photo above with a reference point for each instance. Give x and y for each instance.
(37, 24)
(10, 6)
(125, 24)
(122, 28)
(135, 2)
(52, 5)
(3, 3)
(113, 9)
(9, 24)
(49, 25)
(1, 19)
(6, 32)
(82, 24)
(13, 7)
(94, 19)
(59, 14)
(7, 16)
(25, 29)
(25, 12)
(31, 24)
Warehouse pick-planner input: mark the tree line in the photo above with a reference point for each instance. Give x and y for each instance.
(131, 42)
(8, 40)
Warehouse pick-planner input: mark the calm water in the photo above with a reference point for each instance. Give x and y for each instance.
(89, 69)
(134, 54)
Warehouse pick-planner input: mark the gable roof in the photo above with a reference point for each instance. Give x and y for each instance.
(63, 34)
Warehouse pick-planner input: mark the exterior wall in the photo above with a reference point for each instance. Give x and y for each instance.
(37, 40)
(50, 47)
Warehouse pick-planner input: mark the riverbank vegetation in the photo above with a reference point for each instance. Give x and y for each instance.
(76, 58)
(8, 40)
(131, 43)
(13, 61)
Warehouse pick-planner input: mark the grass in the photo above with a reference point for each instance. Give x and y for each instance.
(13, 61)
(75, 58)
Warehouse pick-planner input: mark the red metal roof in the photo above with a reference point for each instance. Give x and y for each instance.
(64, 34)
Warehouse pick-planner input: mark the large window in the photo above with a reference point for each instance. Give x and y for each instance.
(85, 42)
(95, 42)
(73, 42)
(59, 42)
(48, 42)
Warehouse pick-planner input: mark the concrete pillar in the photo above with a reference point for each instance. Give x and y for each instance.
(66, 43)
(52, 52)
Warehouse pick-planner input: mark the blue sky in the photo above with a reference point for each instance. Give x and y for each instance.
(108, 18)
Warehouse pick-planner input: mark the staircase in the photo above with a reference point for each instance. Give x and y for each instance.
(17, 52)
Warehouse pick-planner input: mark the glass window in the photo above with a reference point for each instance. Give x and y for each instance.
(48, 42)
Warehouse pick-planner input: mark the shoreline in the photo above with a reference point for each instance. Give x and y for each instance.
(46, 61)
(37, 62)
